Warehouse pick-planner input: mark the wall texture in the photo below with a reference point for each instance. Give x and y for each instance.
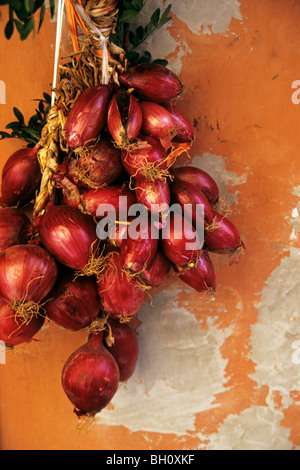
(215, 372)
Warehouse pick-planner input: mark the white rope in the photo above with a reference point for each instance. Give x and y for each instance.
(59, 25)
(103, 41)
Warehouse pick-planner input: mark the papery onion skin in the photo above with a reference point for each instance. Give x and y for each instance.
(101, 165)
(202, 276)
(152, 82)
(198, 178)
(88, 116)
(184, 131)
(21, 177)
(224, 237)
(121, 295)
(146, 154)
(74, 302)
(90, 377)
(94, 198)
(125, 347)
(13, 329)
(180, 242)
(187, 194)
(157, 273)
(138, 253)
(158, 123)
(154, 195)
(124, 117)
(14, 227)
(27, 273)
(68, 235)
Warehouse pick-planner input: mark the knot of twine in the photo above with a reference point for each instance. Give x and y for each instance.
(99, 36)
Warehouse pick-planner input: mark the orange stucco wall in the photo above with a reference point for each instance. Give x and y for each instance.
(238, 91)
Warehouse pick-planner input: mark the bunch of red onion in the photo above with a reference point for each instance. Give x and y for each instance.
(123, 143)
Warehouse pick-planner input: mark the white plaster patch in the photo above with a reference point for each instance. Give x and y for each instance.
(179, 371)
(257, 428)
(276, 334)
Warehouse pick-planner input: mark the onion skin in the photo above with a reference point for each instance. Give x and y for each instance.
(139, 253)
(152, 193)
(146, 155)
(88, 116)
(124, 118)
(101, 166)
(200, 277)
(14, 330)
(152, 82)
(184, 131)
(186, 193)
(157, 273)
(158, 123)
(14, 228)
(21, 177)
(27, 273)
(224, 238)
(90, 377)
(121, 295)
(93, 198)
(68, 235)
(198, 178)
(174, 246)
(74, 302)
(125, 347)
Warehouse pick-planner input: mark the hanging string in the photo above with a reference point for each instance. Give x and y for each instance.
(59, 25)
(98, 35)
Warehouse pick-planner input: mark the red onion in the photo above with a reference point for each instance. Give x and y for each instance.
(138, 253)
(202, 276)
(157, 273)
(187, 194)
(14, 227)
(223, 237)
(198, 178)
(94, 198)
(152, 82)
(27, 273)
(74, 302)
(21, 177)
(158, 123)
(121, 295)
(180, 242)
(155, 195)
(14, 329)
(68, 235)
(124, 118)
(88, 116)
(146, 158)
(122, 343)
(184, 131)
(98, 165)
(90, 376)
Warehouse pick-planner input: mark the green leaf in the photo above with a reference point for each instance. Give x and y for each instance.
(140, 32)
(137, 4)
(161, 62)
(52, 8)
(13, 125)
(128, 16)
(155, 17)
(9, 29)
(27, 28)
(42, 16)
(165, 16)
(18, 115)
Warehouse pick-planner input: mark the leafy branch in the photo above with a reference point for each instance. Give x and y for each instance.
(130, 39)
(30, 132)
(21, 16)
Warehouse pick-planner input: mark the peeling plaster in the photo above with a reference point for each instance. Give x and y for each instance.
(178, 374)
(257, 428)
(275, 337)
